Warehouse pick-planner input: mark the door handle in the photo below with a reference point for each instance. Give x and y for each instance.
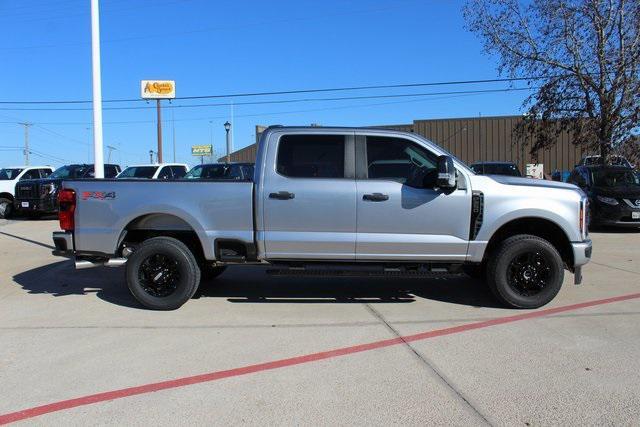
(282, 195)
(375, 197)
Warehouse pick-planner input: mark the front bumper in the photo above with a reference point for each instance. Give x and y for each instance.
(581, 252)
(44, 205)
(620, 215)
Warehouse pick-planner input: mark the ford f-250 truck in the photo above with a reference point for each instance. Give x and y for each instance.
(332, 201)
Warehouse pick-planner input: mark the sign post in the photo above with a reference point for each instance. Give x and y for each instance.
(158, 90)
(98, 154)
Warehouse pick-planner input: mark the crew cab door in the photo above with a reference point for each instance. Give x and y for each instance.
(309, 197)
(401, 214)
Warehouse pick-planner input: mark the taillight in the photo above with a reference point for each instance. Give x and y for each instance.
(67, 203)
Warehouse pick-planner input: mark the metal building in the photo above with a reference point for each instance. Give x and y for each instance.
(475, 139)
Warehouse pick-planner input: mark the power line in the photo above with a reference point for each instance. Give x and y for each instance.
(287, 101)
(297, 91)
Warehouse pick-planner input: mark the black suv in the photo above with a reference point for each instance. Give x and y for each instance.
(614, 194)
(40, 196)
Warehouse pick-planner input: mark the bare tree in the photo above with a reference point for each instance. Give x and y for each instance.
(584, 60)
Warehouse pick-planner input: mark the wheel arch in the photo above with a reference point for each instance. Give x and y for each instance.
(151, 225)
(6, 195)
(536, 226)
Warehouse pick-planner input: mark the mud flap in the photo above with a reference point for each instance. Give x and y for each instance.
(577, 275)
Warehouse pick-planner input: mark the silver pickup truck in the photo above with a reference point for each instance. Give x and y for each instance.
(329, 201)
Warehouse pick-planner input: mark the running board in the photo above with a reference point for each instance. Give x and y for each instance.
(417, 271)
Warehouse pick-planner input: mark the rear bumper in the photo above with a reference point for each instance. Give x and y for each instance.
(63, 241)
(581, 252)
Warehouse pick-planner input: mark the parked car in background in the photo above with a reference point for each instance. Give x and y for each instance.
(228, 171)
(10, 176)
(320, 204)
(496, 168)
(614, 194)
(154, 171)
(613, 161)
(40, 196)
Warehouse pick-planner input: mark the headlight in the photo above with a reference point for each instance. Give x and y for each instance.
(48, 189)
(608, 200)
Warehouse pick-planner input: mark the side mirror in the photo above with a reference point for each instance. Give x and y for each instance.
(446, 173)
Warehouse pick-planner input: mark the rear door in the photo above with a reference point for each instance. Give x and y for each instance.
(401, 214)
(309, 197)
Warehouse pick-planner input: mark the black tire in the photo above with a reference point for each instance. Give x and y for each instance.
(6, 208)
(162, 273)
(525, 271)
(210, 272)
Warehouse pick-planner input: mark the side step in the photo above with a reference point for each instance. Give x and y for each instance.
(350, 270)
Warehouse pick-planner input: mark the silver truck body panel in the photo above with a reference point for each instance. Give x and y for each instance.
(212, 209)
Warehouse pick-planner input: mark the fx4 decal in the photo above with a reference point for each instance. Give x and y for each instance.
(100, 195)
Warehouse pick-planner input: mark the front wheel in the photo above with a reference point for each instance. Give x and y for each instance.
(6, 208)
(162, 274)
(525, 272)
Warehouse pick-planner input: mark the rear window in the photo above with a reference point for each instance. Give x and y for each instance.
(9, 174)
(311, 156)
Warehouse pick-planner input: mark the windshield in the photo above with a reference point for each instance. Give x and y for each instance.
(496, 169)
(138, 172)
(9, 174)
(214, 172)
(69, 172)
(615, 178)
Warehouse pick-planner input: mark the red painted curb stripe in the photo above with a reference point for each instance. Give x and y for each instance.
(218, 375)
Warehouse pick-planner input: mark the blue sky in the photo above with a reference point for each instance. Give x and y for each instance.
(225, 46)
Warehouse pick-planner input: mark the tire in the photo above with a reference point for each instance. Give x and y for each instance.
(210, 272)
(6, 208)
(179, 274)
(525, 272)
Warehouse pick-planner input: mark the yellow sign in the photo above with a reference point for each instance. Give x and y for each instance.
(158, 89)
(201, 150)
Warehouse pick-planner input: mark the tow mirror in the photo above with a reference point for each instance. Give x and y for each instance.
(446, 173)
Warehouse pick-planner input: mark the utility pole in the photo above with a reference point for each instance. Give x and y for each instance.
(151, 156)
(26, 141)
(98, 155)
(173, 129)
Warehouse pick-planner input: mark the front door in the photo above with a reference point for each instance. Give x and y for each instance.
(401, 215)
(309, 198)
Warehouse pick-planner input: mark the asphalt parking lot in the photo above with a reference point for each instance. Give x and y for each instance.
(256, 349)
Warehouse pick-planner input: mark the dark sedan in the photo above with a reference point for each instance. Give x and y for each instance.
(614, 194)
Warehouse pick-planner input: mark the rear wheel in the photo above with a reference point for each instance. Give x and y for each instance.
(162, 274)
(6, 208)
(525, 272)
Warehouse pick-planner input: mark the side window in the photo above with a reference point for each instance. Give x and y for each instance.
(44, 173)
(110, 171)
(165, 173)
(31, 174)
(311, 156)
(402, 161)
(178, 171)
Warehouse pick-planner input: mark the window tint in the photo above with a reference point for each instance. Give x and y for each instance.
(165, 173)
(311, 156)
(178, 171)
(31, 174)
(44, 173)
(110, 171)
(402, 161)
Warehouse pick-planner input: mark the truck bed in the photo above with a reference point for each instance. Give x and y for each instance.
(213, 209)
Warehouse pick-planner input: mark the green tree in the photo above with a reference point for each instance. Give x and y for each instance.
(585, 57)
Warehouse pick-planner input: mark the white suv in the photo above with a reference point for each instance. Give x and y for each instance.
(8, 179)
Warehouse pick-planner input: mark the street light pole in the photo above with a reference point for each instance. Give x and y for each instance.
(227, 127)
(159, 155)
(151, 156)
(26, 142)
(98, 156)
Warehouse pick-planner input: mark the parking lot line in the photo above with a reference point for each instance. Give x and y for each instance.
(298, 360)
